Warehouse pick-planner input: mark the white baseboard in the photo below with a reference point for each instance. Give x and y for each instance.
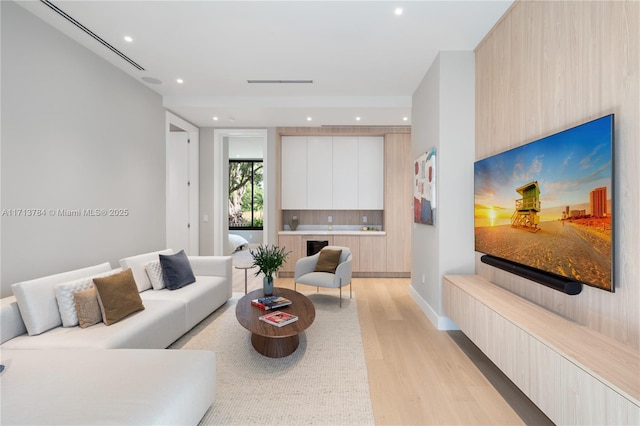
(440, 322)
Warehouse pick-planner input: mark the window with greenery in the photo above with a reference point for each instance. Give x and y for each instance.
(246, 191)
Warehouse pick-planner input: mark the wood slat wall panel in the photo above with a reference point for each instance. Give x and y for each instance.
(397, 201)
(545, 67)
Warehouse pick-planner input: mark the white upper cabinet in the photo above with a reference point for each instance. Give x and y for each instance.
(345, 173)
(371, 173)
(319, 172)
(332, 173)
(294, 173)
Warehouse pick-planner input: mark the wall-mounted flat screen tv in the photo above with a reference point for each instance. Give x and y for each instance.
(548, 205)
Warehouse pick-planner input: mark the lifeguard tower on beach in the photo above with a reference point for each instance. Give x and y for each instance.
(527, 208)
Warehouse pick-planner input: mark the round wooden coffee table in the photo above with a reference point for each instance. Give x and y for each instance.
(267, 339)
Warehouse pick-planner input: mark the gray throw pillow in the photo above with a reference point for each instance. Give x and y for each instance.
(177, 270)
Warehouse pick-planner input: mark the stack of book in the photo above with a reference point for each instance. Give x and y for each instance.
(271, 302)
(278, 318)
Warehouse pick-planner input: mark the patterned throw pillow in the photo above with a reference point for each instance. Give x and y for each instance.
(64, 296)
(154, 271)
(87, 307)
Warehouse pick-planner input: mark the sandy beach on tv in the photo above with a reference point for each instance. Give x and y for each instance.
(578, 249)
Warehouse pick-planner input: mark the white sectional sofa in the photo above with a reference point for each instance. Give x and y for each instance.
(31, 320)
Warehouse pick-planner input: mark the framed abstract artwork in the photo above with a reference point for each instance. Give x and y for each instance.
(424, 190)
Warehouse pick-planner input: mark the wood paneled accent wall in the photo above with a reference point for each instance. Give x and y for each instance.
(547, 66)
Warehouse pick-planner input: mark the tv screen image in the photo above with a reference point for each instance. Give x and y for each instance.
(548, 204)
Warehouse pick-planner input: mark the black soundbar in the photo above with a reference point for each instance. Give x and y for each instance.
(553, 281)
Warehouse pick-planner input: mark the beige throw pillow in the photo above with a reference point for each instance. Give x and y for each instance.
(328, 261)
(118, 296)
(87, 307)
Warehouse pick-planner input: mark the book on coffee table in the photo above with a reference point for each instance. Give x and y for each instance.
(271, 302)
(278, 318)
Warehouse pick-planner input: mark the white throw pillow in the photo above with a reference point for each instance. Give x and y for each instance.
(37, 298)
(156, 276)
(136, 263)
(64, 296)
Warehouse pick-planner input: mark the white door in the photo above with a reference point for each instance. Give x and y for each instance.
(178, 192)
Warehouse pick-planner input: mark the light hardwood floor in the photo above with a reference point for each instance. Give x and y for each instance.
(417, 374)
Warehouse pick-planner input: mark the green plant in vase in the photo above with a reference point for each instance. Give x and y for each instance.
(269, 258)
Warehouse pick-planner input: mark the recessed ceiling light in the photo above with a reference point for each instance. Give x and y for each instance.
(180, 81)
(357, 118)
(398, 11)
(405, 118)
(309, 118)
(215, 118)
(128, 39)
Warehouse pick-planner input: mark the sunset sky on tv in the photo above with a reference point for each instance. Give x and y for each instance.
(567, 166)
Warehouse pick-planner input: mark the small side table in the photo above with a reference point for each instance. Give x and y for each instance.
(245, 266)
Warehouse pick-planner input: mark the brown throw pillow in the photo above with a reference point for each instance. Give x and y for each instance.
(118, 296)
(87, 307)
(328, 261)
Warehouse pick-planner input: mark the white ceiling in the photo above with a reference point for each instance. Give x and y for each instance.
(363, 59)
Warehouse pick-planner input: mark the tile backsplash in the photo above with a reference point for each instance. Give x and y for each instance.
(339, 217)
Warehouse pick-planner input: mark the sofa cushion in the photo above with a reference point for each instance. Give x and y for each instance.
(160, 324)
(136, 264)
(87, 307)
(177, 270)
(118, 296)
(65, 292)
(328, 261)
(103, 387)
(199, 299)
(37, 299)
(155, 274)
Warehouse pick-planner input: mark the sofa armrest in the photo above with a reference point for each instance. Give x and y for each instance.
(11, 324)
(217, 266)
(306, 265)
(343, 272)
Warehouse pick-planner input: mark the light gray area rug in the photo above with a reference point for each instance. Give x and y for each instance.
(324, 382)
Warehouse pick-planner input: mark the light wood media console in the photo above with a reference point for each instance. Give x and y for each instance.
(573, 374)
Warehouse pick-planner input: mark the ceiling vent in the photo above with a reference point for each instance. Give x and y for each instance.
(96, 37)
(280, 81)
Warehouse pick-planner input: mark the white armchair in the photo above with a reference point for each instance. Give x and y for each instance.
(306, 271)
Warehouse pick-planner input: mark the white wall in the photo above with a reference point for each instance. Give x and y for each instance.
(443, 116)
(77, 133)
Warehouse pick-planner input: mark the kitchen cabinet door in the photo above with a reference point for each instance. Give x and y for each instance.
(345, 173)
(319, 172)
(294, 173)
(370, 173)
